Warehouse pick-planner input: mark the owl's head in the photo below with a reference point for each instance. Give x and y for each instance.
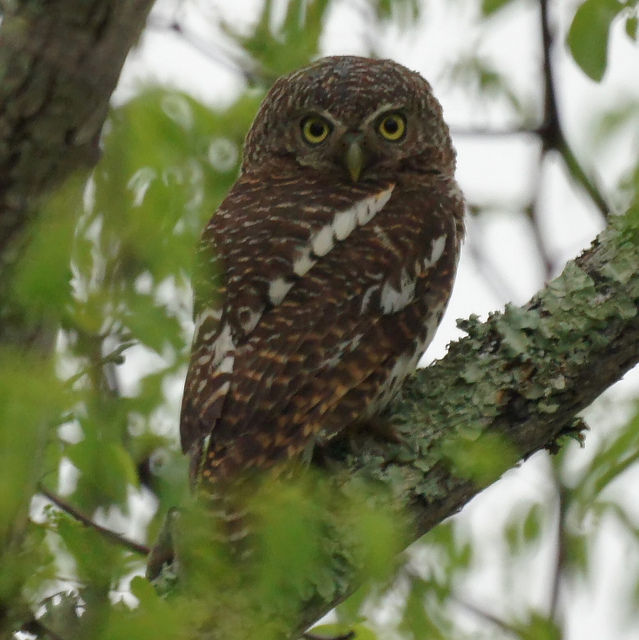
(354, 117)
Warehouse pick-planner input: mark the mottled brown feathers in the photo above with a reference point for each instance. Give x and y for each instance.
(320, 285)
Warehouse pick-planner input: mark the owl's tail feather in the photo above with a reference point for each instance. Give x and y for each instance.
(233, 524)
(230, 516)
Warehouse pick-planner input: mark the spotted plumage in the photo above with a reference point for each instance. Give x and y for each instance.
(324, 273)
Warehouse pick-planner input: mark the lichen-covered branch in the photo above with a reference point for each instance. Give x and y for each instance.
(511, 387)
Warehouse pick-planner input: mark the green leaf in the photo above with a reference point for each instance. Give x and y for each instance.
(98, 560)
(614, 121)
(403, 12)
(420, 617)
(106, 470)
(42, 281)
(488, 7)
(289, 539)
(281, 45)
(539, 627)
(532, 525)
(588, 35)
(613, 457)
(349, 612)
(631, 27)
(30, 400)
(153, 618)
(482, 460)
(336, 630)
(378, 551)
(28, 566)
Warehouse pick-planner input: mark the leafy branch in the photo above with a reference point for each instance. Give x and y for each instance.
(113, 536)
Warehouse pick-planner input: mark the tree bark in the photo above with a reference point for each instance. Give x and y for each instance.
(59, 64)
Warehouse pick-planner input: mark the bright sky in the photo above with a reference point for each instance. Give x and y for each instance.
(489, 168)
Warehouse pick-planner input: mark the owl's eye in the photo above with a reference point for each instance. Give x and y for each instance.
(315, 129)
(392, 126)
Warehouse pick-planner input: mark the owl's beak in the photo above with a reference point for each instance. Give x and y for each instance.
(354, 160)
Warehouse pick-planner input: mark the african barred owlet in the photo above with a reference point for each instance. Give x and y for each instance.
(327, 268)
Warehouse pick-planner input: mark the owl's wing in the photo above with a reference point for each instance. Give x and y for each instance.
(212, 348)
(339, 345)
(307, 281)
(265, 237)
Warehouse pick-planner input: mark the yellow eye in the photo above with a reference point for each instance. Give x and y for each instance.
(315, 129)
(392, 126)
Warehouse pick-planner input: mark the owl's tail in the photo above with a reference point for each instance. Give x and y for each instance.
(221, 521)
(231, 518)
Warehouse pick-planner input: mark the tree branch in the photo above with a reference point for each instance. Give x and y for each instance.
(118, 538)
(509, 389)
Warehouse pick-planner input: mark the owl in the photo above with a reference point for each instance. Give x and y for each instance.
(324, 273)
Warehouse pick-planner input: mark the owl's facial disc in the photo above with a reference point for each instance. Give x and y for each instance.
(350, 142)
(331, 141)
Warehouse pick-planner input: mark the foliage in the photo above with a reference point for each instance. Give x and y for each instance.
(106, 279)
(590, 30)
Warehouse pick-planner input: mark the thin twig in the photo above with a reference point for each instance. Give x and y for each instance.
(560, 553)
(550, 130)
(232, 63)
(532, 213)
(115, 357)
(487, 132)
(498, 622)
(551, 133)
(80, 517)
(578, 173)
